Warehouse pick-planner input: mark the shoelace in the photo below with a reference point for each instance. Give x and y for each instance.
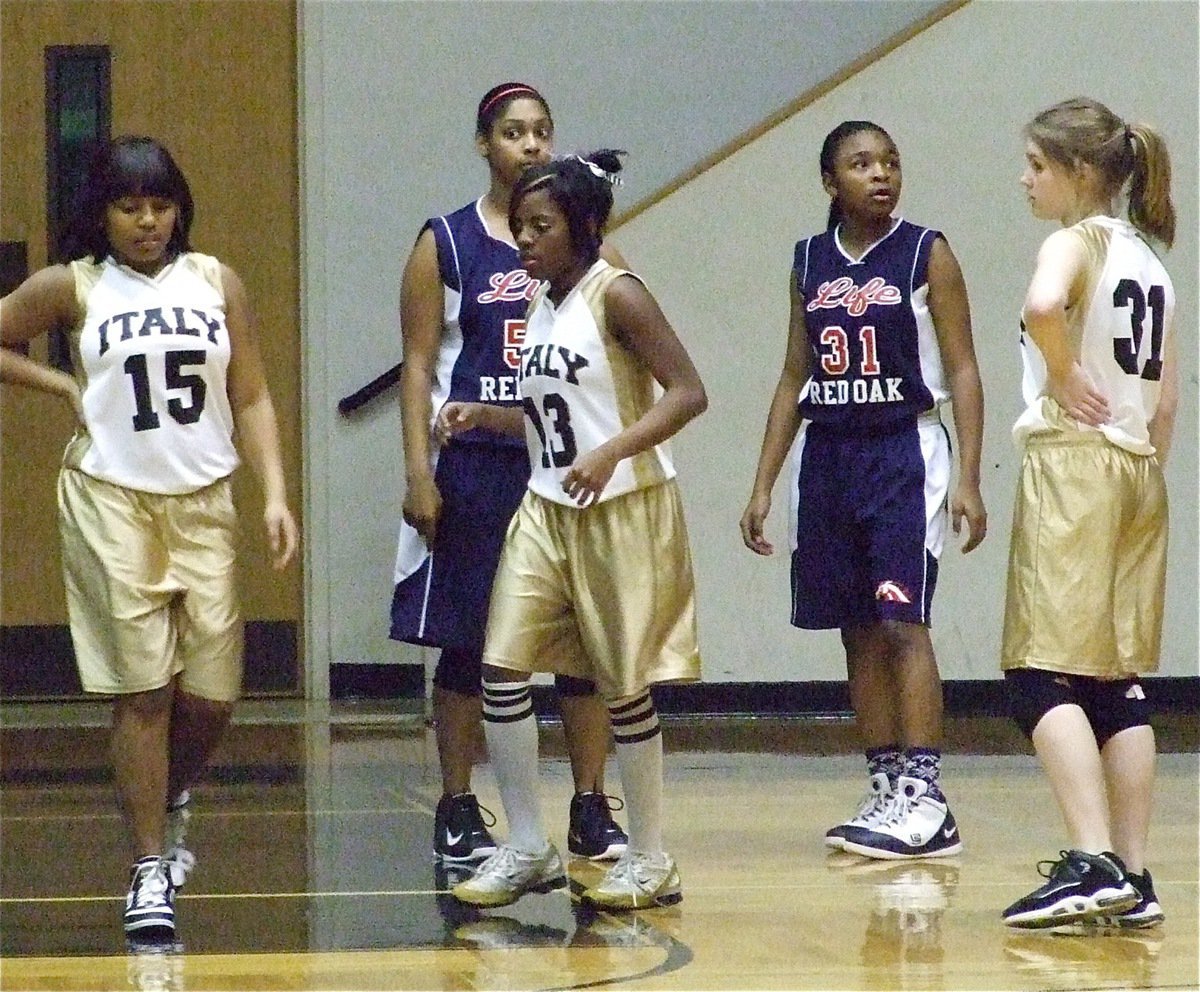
(900, 804)
(634, 868)
(614, 803)
(506, 861)
(486, 815)
(151, 887)
(1051, 868)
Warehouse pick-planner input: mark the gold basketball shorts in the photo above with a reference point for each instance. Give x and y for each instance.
(150, 585)
(1087, 560)
(603, 593)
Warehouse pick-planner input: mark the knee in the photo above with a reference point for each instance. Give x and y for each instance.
(905, 641)
(203, 709)
(149, 705)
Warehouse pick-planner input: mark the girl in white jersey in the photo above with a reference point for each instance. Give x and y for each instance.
(167, 369)
(1087, 564)
(595, 579)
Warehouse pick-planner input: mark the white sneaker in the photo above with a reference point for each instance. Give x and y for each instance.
(872, 807)
(637, 881)
(179, 860)
(915, 825)
(509, 874)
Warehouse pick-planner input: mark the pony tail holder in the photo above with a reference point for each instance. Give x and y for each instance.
(609, 177)
(597, 169)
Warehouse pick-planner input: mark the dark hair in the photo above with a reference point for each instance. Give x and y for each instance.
(581, 186)
(828, 158)
(1084, 130)
(496, 100)
(127, 166)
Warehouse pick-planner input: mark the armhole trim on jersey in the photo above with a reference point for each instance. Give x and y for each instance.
(912, 276)
(453, 254)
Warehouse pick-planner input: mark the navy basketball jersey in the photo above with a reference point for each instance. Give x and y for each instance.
(486, 295)
(874, 353)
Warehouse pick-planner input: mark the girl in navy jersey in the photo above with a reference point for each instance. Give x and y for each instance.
(462, 314)
(596, 578)
(167, 371)
(1087, 564)
(879, 338)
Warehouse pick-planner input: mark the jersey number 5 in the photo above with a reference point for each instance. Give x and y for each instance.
(562, 453)
(145, 419)
(1125, 350)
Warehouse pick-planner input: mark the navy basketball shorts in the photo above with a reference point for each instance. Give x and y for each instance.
(441, 595)
(869, 523)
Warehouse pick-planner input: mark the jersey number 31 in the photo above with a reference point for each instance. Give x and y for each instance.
(1125, 350)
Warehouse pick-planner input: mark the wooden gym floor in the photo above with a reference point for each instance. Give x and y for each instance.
(313, 834)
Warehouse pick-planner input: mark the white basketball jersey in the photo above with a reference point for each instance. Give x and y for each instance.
(1117, 331)
(581, 387)
(151, 356)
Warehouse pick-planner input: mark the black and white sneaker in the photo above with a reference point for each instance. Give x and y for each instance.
(150, 904)
(593, 833)
(1078, 886)
(460, 833)
(914, 825)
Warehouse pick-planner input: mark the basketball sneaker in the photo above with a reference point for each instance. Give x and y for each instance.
(914, 825)
(1078, 886)
(150, 904)
(637, 881)
(509, 874)
(460, 833)
(873, 805)
(180, 861)
(1144, 914)
(593, 833)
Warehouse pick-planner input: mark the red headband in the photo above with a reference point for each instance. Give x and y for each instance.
(508, 92)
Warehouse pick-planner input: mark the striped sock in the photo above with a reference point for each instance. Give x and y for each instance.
(639, 749)
(512, 740)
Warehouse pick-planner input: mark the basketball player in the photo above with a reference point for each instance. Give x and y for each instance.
(1087, 564)
(462, 314)
(879, 339)
(595, 579)
(168, 369)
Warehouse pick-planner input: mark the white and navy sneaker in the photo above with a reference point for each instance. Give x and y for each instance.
(1079, 886)
(509, 874)
(150, 903)
(460, 833)
(914, 825)
(873, 805)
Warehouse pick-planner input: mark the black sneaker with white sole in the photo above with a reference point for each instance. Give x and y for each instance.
(460, 833)
(592, 832)
(1079, 886)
